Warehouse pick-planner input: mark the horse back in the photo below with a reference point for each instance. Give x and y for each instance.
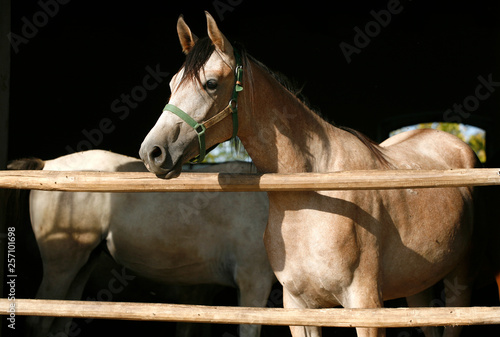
(429, 149)
(95, 160)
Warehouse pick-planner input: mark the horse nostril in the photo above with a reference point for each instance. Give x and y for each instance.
(156, 152)
(157, 156)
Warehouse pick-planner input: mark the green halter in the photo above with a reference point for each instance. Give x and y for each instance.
(231, 109)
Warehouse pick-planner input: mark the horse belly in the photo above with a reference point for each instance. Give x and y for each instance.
(429, 241)
(155, 260)
(165, 249)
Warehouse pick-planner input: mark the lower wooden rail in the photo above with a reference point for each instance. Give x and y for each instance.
(384, 317)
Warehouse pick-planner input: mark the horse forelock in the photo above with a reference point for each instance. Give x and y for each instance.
(196, 59)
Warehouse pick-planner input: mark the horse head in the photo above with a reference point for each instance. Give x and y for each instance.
(197, 114)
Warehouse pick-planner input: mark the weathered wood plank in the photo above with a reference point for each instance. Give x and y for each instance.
(385, 317)
(344, 180)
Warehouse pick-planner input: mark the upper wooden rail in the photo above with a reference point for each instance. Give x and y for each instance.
(147, 182)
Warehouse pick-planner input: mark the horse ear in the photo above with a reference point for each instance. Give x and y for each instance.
(187, 38)
(218, 39)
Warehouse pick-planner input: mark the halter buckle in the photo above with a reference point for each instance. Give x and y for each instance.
(238, 74)
(234, 106)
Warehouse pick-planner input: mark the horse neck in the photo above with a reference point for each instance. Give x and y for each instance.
(282, 135)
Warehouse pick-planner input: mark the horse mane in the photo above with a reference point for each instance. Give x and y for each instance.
(371, 145)
(291, 86)
(203, 49)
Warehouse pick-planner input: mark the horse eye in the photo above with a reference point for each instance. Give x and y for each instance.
(211, 84)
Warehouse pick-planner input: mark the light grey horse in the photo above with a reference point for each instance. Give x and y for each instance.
(172, 238)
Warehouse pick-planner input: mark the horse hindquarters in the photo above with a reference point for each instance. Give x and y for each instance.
(69, 248)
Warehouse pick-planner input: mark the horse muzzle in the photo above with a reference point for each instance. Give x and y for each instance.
(158, 161)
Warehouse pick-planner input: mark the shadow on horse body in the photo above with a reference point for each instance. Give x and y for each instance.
(172, 238)
(362, 247)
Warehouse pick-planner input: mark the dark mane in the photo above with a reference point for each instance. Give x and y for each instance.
(371, 145)
(196, 59)
(203, 49)
(291, 86)
(287, 83)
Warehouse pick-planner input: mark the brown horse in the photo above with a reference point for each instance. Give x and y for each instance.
(349, 248)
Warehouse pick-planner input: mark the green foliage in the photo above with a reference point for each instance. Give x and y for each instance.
(478, 143)
(453, 128)
(228, 151)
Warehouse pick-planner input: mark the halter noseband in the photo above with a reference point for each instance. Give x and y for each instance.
(231, 109)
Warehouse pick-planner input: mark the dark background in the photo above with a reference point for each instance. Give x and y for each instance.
(90, 53)
(66, 76)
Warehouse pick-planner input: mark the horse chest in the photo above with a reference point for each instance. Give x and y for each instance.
(313, 250)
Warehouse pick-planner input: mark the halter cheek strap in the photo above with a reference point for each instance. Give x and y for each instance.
(198, 128)
(231, 109)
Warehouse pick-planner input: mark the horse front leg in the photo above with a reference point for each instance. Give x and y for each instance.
(370, 332)
(289, 301)
(364, 292)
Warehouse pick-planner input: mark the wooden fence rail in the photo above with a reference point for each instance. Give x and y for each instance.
(147, 182)
(382, 317)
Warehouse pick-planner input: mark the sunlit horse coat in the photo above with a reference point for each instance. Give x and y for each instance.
(349, 248)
